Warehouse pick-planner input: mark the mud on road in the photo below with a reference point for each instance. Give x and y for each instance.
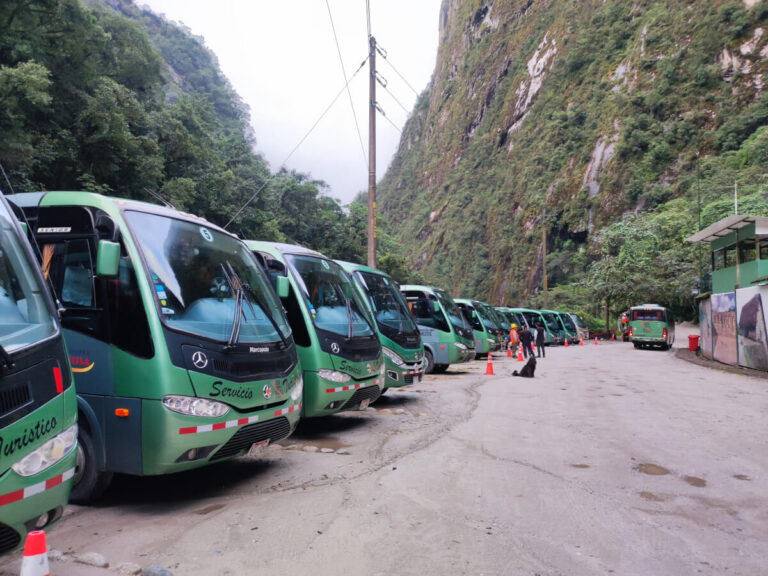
(611, 460)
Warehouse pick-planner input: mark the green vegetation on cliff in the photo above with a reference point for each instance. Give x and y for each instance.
(608, 128)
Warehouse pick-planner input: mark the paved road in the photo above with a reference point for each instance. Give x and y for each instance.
(611, 461)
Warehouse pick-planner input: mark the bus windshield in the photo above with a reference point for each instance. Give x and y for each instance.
(25, 315)
(454, 313)
(333, 301)
(552, 324)
(649, 314)
(568, 322)
(489, 318)
(388, 305)
(205, 282)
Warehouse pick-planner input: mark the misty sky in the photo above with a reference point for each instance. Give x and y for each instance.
(283, 61)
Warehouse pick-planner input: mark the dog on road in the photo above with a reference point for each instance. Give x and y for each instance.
(528, 370)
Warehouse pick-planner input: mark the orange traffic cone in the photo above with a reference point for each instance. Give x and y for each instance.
(581, 341)
(35, 561)
(509, 351)
(595, 340)
(566, 342)
(520, 354)
(489, 366)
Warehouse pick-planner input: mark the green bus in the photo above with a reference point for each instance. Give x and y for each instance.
(553, 325)
(180, 348)
(484, 328)
(337, 339)
(447, 335)
(552, 332)
(398, 333)
(38, 408)
(570, 331)
(651, 325)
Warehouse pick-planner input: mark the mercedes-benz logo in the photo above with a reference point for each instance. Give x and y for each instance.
(335, 348)
(200, 360)
(267, 391)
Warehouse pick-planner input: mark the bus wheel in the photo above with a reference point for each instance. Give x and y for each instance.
(430, 362)
(637, 345)
(440, 368)
(88, 484)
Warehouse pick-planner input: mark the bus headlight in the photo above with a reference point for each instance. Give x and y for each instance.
(48, 454)
(396, 360)
(298, 388)
(333, 376)
(191, 406)
(460, 346)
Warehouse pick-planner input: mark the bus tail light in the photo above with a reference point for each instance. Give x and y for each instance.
(631, 332)
(664, 333)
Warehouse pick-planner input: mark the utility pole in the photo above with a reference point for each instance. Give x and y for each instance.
(544, 264)
(372, 155)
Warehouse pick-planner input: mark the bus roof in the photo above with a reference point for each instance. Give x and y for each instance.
(109, 204)
(646, 306)
(283, 248)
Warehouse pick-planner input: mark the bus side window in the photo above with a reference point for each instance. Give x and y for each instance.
(69, 265)
(296, 319)
(128, 318)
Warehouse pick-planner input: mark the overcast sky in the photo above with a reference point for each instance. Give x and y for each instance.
(282, 59)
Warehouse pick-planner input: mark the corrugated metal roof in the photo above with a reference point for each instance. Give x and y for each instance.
(728, 225)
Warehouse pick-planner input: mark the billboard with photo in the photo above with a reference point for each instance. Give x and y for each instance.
(724, 344)
(705, 327)
(750, 312)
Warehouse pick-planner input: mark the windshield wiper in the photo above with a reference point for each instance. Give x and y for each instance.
(242, 289)
(232, 280)
(6, 359)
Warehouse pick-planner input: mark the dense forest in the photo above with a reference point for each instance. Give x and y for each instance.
(108, 97)
(577, 143)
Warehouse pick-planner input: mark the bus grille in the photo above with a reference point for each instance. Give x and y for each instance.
(371, 393)
(9, 538)
(408, 378)
(273, 430)
(13, 398)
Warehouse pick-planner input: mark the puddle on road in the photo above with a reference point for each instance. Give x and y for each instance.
(694, 481)
(209, 509)
(742, 477)
(651, 497)
(330, 442)
(651, 469)
(579, 465)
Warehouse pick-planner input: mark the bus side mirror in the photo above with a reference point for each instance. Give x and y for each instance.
(107, 259)
(24, 228)
(436, 306)
(282, 286)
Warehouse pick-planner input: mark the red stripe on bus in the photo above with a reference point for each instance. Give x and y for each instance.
(57, 377)
(52, 482)
(11, 497)
(188, 430)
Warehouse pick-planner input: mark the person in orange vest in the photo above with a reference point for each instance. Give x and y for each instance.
(514, 338)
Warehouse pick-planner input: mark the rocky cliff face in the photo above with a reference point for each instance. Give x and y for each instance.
(548, 119)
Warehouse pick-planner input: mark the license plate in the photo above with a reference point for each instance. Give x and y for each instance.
(364, 403)
(258, 448)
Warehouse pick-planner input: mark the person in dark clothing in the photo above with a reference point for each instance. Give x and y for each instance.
(540, 340)
(525, 339)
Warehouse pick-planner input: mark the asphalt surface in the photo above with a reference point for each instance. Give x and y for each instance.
(610, 461)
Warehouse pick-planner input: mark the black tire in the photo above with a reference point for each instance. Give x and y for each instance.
(430, 362)
(637, 346)
(88, 484)
(625, 337)
(440, 368)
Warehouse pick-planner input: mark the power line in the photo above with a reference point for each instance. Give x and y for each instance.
(343, 71)
(338, 95)
(384, 55)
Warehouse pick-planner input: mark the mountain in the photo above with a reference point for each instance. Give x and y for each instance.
(553, 130)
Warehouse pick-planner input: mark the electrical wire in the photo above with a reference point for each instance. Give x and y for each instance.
(6, 178)
(344, 72)
(338, 95)
(383, 54)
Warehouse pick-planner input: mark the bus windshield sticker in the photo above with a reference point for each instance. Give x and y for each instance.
(206, 234)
